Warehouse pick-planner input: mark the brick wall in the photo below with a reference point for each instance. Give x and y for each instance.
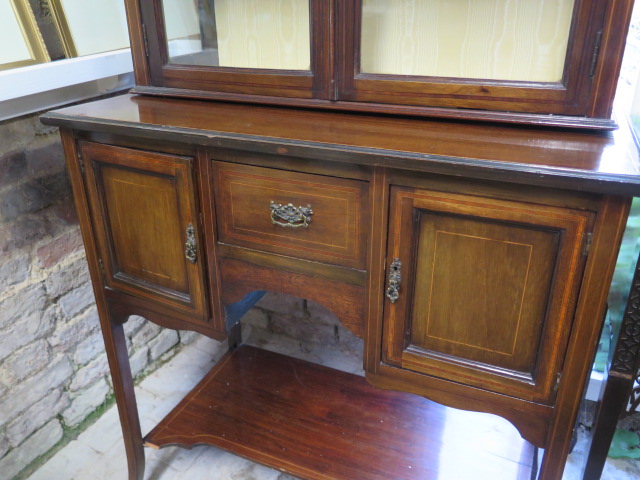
(53, 371)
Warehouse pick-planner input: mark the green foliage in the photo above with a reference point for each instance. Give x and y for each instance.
(622, 276)
(600, 363)
(625, 444)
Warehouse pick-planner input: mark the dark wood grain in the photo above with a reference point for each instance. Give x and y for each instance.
(607, 68)
(376, 266)
(136, 38)
(319, 423)
(208, 224)
(310, 268)
(454, 114)
(531, 419)
(605, 162)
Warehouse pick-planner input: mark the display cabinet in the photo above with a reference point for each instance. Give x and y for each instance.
(540, 62)
(474, 261)
(473, 258)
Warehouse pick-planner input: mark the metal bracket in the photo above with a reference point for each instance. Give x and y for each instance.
(596, 52)
(145, 40)
(190, 245)
(587, 243)
(393, 290)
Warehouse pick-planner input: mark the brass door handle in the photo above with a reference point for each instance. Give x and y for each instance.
(393, 290)
(190, 245)
(290, 216)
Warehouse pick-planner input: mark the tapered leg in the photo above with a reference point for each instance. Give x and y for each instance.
(584, 335)
(116, 346)
(618, 384)
(612, 401)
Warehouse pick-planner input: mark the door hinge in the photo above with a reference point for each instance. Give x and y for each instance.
(596, 52)
(145, 40)
(557, 385)
(81, 163)
(101, 265)
(587, 243)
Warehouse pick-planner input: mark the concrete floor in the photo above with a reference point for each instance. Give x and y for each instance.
(98, 453)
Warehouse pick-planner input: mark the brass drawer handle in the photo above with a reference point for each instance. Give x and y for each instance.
(190, 245)
(393, 290)
(290, 216)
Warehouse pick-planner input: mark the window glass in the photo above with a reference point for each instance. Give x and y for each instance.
(269, 34)
(91, 27)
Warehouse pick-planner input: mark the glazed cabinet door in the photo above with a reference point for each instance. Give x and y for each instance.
(270, 48)
(143, 207)
(522, 56)
(482, 291)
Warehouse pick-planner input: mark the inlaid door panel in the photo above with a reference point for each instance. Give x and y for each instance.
(143, 205)
(487, 289)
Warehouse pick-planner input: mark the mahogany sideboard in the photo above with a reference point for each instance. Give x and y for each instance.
(474, 260)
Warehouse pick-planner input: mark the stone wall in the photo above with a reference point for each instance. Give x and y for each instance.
(53, 371)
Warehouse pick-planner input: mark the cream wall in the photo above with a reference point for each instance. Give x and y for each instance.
(264, 34)
(491, 39)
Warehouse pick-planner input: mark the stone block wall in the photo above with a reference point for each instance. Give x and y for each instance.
(53, 371)
(302, 328)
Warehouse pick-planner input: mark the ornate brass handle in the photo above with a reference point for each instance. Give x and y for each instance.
(190, 245)
(393, 290)
(290, 216)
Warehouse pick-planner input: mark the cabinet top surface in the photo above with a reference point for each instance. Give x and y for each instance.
(606, 162)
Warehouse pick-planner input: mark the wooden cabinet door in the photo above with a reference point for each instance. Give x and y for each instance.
(487, 289)
(144, 210)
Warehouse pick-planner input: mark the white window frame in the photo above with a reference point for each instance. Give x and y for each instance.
(44, 86)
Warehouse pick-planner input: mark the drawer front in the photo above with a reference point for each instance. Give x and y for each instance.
(313, 217)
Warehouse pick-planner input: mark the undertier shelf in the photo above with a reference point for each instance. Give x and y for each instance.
(318, 423)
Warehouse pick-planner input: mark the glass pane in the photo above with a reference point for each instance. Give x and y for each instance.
(521, 40)
(16, 46)
(92, 27)
(272, 34)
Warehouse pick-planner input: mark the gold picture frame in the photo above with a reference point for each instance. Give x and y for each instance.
(21, 41)
(88, 27)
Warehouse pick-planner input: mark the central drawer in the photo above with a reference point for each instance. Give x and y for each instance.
(313, 217)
